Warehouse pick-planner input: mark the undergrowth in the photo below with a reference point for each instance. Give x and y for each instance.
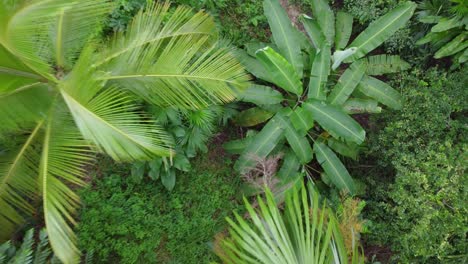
(125, 222)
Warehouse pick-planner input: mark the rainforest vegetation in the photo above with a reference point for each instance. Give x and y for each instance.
(233, 131)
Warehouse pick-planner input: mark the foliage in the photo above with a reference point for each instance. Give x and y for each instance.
(417, 200)
(31, 251)
(190, 129)
(304, 232)
(300, 108)
(401, 42)
(70, 95)
(449, 35)
(127, 222)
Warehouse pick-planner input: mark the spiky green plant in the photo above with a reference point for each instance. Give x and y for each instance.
(304, 232)
(67, 94)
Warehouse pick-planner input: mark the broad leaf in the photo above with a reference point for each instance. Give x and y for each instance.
(347, 150)
(340, 55)
(261, 95)
(285, 35)
(252, 65)
(281, 71)
(319, 73)
(381, 29)
(238, 146)
(344, 27)
(382, 64)
(335, 121)
(252, 117)
(445, 24)
(347, 83)
(261, 145)
(298, 142)
(360, 106)
(334, 168)
(458, 44)
(381, 92)
(325, 18)
(302, 120)
(290, 165)
(313, 30)
(168, 179)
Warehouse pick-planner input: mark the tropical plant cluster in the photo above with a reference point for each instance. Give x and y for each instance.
(233, 131)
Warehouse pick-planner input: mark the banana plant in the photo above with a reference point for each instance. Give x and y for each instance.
(306, 231)
(449, 35)
(311, 87)
(67, 94)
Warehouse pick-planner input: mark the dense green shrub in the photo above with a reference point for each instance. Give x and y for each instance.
(126, 222)
(417, 201)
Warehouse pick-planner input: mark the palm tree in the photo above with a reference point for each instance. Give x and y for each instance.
(305, 232)
(66, 94)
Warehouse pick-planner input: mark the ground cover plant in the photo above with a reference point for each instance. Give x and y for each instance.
(70, 95)
(125, 221)
(307, 111)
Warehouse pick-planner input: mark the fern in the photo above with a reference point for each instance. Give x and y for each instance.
(382, 64)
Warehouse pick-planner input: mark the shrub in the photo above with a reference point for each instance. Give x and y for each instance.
(417, 203)
(125, 222)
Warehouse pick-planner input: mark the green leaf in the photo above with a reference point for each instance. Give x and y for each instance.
(299, 143)
(237, 146)
(252, 117)
(313, 30)
(344, 27)
(334, 168)
(381, 29)
(261, 145)
(182, 163)
(447, 23)
(261, 95)
(340, 55)
(381, 92)
(347, 83)
(281, 71)
(285, 35)
(302, 120)
(138, 171)
(290, 166)
(319, 73)
(360, 106)
(382, 64)
(168, 179)
(325, 18)
(458, 44)
(335, 121)
(347, 150)
(252, 65)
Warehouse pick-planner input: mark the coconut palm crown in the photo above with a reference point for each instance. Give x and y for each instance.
(66, 94)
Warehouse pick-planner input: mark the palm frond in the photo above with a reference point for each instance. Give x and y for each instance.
(18, 173)
(45, 34)
(64, 157)
(109, 118)
(304, 233)
(23, 106)
(173, 62)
